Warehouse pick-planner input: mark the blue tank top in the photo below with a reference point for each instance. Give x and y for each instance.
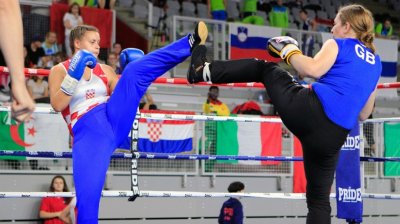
(346, 87)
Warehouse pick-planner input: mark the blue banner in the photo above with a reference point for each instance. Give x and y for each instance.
(348, 179)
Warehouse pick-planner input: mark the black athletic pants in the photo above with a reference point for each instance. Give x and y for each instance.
(302, 113)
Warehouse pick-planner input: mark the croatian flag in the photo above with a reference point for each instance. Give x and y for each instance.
(166, 136)
(250, 41)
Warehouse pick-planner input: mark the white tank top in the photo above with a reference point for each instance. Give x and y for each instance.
(88, 94)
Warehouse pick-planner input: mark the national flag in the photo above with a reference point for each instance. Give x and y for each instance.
(250, 41)
(43, 132)
(249, 139)
(299, 176)
(166, 136)
(392, 148)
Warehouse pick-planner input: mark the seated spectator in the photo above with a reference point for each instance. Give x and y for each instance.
(117, 48)
(59, 57)
(57, 209)
(147, 103)
(112, 61)
(45, 62)
(39, 89)
(250, 13)
(232, 209)
(50, 45)
(27, 61)
(279, 15)
(217, 9)
(213, 105)
(35, 50)
(385, 29)
(106, 4)
(308, 24)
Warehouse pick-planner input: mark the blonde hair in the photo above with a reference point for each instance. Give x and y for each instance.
(361, 21)
(78, 32)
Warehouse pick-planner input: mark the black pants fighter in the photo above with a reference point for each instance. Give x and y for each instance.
(302, 113)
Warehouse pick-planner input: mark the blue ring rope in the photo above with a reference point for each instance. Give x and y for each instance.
(145, 155)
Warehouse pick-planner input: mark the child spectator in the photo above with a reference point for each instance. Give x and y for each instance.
(57, 209)
(232, 209)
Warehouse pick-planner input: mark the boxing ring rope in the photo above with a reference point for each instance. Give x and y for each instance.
(187, 194)
(170, 156)
(183, 81)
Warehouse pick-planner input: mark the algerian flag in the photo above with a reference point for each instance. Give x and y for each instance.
(43, 132)
(249, 139)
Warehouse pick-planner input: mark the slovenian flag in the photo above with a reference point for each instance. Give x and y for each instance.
(166, 136)
(249, 139)
(250, 41)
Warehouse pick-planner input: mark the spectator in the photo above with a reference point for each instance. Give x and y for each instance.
(39, 89)
(308, 24)
(71, 19)
(59, 57)
(385, 29)
(279, 15)
(112, 61)
(217, 9)
(27, 61)
(117, 48)
(57, 209)
(147, 103)
(232, 209)
(250, 13)
(50, 45)
(213, 105)
(46, 62)
(106, 4)
(35, 50)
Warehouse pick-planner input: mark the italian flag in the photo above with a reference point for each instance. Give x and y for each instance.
(249, 139)
(43, 132)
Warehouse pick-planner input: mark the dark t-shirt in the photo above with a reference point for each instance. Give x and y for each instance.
(34, 56)
(231, 212)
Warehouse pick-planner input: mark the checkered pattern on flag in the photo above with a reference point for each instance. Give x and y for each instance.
(165, 136)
